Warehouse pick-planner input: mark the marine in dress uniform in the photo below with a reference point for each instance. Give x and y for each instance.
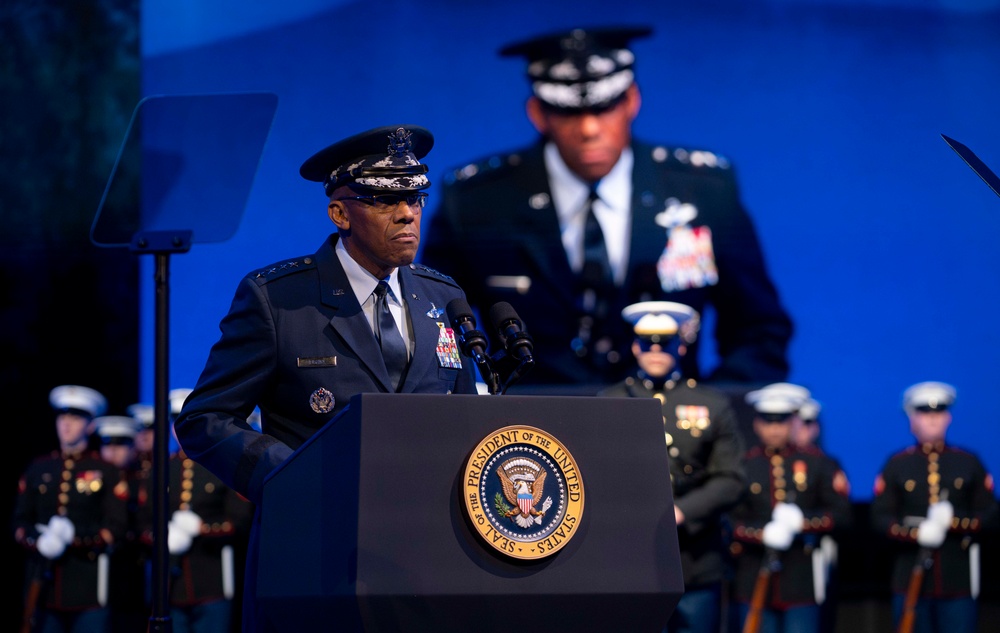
(514, 226)
(935, 502)
(299, 339)
(126, 578)
(806, 430)
(705, 448)
(70, 510)
(795, 497)
(207, 521)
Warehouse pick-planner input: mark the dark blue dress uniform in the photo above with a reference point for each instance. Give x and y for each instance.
(912, 479)
(809, 479)
(498, 231)
(297, 344)
(91, 493)
(499, 225)
(706, 468)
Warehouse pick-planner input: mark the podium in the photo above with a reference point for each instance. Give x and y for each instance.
(364, 528)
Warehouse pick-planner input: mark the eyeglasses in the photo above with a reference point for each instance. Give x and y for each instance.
(646, 342)
(392, 199)
(926, 408)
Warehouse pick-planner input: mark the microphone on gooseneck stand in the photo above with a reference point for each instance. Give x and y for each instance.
(517, 342)
(472, 342)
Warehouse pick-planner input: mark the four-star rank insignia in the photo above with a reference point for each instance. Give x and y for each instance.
(523, 492)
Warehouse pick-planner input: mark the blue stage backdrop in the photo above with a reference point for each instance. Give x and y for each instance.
(881, 240)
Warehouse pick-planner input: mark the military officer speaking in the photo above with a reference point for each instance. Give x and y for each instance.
(304, 335)
(934, 502)
(705, 448)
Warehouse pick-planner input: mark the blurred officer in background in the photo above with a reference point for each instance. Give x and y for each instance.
(117, 433)
(806, 431)
(144, 415)
(805, 425)
(935, 502)
(69, 512)
(588, 220)
(705, 448)
(206, 521)
(129, 610)
(795, 496)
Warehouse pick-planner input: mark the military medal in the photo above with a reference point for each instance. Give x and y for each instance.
(447, 348)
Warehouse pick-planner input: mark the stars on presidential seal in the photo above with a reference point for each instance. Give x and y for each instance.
(523, 492)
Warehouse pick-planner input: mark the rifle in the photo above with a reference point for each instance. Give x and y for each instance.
(925, 558)
(770, 566)
(33, 597)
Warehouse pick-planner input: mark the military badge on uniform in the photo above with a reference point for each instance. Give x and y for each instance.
(89, 482)
(447, 348)
(688, 259)
(692, 418)
(523, 492)
(799, 474)
(435, 312)
(321, 401)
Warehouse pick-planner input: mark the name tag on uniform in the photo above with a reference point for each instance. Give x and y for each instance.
(317, 361)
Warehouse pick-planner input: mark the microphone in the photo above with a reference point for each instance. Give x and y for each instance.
(517, 341)
(471, 341)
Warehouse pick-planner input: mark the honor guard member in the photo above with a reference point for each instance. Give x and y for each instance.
(129, 598)
(806, 436)
(306, 334)
(587, 220)
(69, 511)
(805, 428)
(934, 502)
(705, 448)
(129, 610)
(206, 523)
(117, 433)
(144, 415)
(795, 497)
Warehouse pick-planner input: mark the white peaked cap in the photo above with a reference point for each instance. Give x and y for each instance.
(77, 398)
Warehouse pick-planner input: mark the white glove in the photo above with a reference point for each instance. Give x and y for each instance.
(187, 521)
(789, 515)
(777, 536)
(62, 528)
(930, 533)
(49, 544)
(941, 512)
(178, 539)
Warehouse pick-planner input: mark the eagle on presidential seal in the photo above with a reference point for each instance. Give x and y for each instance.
(523, 483)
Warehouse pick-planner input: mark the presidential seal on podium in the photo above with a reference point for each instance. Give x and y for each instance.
(523, 492)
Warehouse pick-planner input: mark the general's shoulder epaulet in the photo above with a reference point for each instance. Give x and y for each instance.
(698, 158)
(281, 269)
(430, 273)
(479, 169)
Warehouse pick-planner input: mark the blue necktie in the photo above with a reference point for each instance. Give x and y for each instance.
(596, 265)
(393, 347)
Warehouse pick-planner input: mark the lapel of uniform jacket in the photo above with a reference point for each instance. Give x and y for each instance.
(648, 199)
(426, 329)
(541, 241)
(349, 320)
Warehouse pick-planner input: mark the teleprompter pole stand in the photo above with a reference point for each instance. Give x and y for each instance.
(161, 244)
